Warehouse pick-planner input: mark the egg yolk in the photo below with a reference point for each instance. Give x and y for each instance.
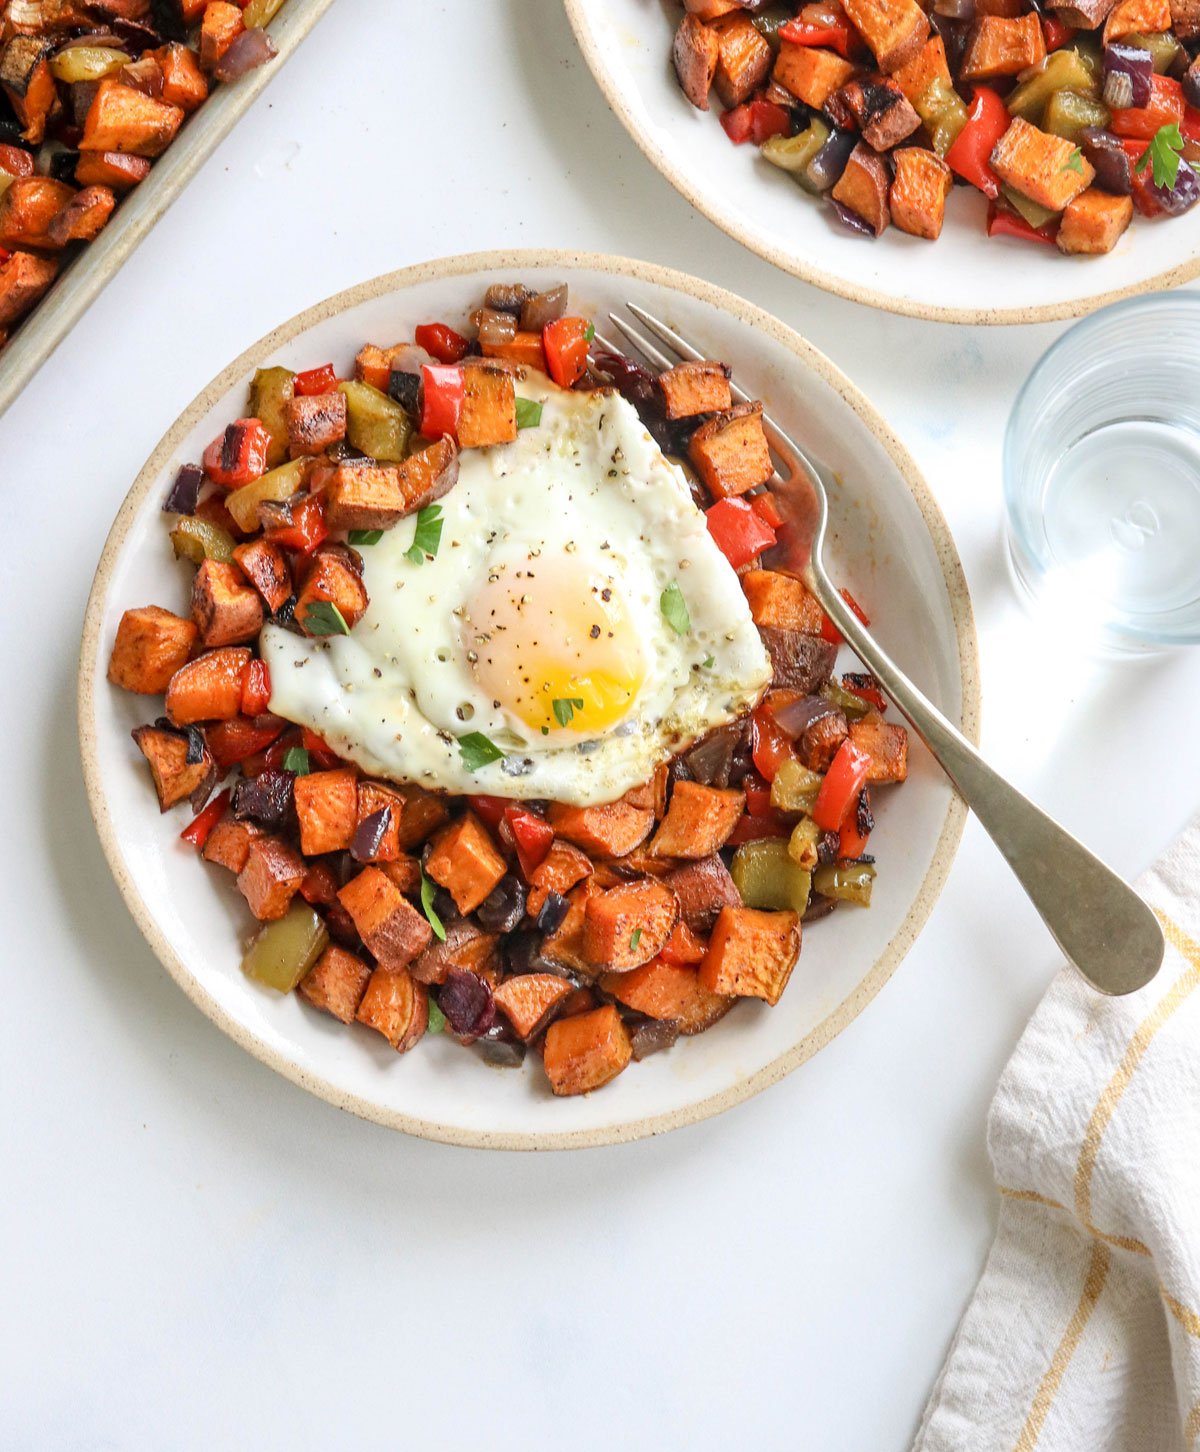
(553, 644)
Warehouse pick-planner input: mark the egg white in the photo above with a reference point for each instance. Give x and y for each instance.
(587, 485)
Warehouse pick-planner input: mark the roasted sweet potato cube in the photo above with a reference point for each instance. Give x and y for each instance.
(225, 608)
(703, 889)
(880, 110)
(465, 947)
(144, 74)
(1046, 169)
(811, 73)
(25, 75)
(927, 67)
(564, 945)
(387, 922)
(610, 830)
(114, 169)
(1000, 46)
(751, 954)
(863, 187)
(122, 119)
(395, 1006)
(466, 862)
(373, 797)
(561, 868)
(920, 186)
(404, 871)
(428, 475)
(711, 9)
(175, 777)
(84, 217)
(424, 812)
(684, 948)
(782, 602)
(336, 983)
(698, 821)
(228, 844)
(28, 209)
(331, 578)
(743, 58)
(1093, 222)
(362, 495)
(1185, 20)
(184, 83)
(885, 744)
(208, 688)
(220, 27)
(528, 999)
(692, 388)
(1130, 17)
(489, 407)
(730, 452)
(24, 280)
(628, 925)
(266, 567)
(664, 990)
(585, 1051)
(327, 810)
(315, 423)
(151, 645)
(374, 365)
(694, 54)
(894, 29)
(271, 877)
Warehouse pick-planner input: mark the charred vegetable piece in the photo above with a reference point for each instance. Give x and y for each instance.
(285, 950)
(198, 540)
(766, 876)
(845, 882)
(375, 424)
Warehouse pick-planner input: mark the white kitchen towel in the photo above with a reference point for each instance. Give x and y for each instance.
(1084, 1332)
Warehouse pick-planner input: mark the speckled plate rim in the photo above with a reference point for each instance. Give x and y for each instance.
(961, 611)
(827, 281)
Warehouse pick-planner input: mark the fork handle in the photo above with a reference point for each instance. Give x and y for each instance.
(1104, 928)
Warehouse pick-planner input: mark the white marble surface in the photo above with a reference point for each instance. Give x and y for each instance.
(197, 1254)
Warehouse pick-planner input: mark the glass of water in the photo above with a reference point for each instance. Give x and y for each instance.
(1102, 475)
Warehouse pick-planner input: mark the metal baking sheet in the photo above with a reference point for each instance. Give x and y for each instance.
(81, 281)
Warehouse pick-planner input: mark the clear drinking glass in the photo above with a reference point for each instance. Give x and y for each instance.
(1102, 475)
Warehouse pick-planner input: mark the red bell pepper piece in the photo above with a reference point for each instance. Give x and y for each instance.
(1166, 108)
(529, 833)
(441, 399)
(16, 161)
(765, 507)
(198, 829)
(319, 755)
(739, 531)
(307, 529)
(319, 884)
(844, 780)
(1189, 127)
(866, 688)
(315, 381)
(239, 456)
(489, 809)
(970, 155)
(1003, 223)
(756, 121)
(566, 343)
(442, 342)
(752, 829)
(758, 795)
(256, 689)
(829, 630)
(837, 35)
(232, 742)
(769, 745)
(1056, 31)
(852, 842)
(1142, 189)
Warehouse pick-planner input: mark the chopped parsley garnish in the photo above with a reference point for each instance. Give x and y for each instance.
(635, 937)
(1163, 156)
(529, 413)
(674, 609)
(324, 618)
(565, 707)
(1074, 162)
(297, 760)
(437, 1019)
(365, 536)
(428, 536)
(707, 662)
(427, 891)
(590, 332)
(478, 750)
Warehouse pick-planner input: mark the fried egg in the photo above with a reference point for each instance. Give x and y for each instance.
(577, 617)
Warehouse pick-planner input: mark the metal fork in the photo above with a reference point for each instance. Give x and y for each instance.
(1105, 929)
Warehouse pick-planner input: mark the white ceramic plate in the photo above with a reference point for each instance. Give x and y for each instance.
(898, 559)
(963, 277)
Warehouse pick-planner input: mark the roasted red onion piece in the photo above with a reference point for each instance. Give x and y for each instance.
(267, 799)
(184, 494)
(1110, 159)
(504, 907)
(852, 220)
(652, 1037)
(797, 716)
(711, 760)
(827, 166)
(1138, 65)
(1180, 198)
(543, 308)
(467, 1002)
(253, 48)
(369, 834)
(495, 328)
